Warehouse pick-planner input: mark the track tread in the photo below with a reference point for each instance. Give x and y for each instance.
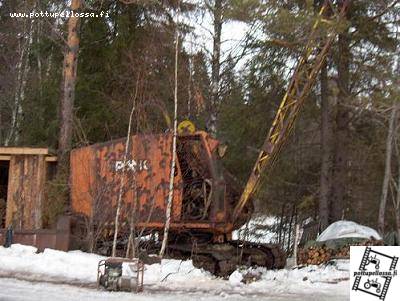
(223, 259)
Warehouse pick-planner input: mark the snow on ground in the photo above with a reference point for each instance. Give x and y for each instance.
(16, 290)
(348, 229)
(179, 277)
(76, 266)
(51, 265)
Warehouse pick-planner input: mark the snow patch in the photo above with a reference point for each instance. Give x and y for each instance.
(236, 278)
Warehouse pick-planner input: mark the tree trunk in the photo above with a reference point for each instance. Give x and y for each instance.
(281, 225)
(39, 34)
(292, 215)
(215, 68)
(173, 161)
(296, 242)
(387, 174)
(326, 150)
(189, 101)
(340, 152)
(131, 245)
(68, 89)
(122, 184)
(397, 207)
(23, 68)
(397, 215)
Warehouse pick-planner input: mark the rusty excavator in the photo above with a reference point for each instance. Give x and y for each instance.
(206, 207)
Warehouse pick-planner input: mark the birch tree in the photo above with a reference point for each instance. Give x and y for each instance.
(173, 161)
(122, 184)
(22, 69)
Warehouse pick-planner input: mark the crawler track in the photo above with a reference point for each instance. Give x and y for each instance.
(223, 259)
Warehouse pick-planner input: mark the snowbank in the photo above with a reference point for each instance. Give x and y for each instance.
(77, 267)
(347, 229)
(53, 265)
(331, 280)
(20, 260)
(309, 274)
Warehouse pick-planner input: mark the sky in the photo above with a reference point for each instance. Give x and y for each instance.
(233, 33)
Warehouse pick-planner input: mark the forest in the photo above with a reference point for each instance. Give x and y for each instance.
(66, 84)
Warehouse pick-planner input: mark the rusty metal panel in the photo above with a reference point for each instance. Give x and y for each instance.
(99, 173)
(40, 239)
(27, 175)
(58, 238)
(81, 179)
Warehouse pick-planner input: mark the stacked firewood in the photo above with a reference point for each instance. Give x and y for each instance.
(314, 255)
(318, 254)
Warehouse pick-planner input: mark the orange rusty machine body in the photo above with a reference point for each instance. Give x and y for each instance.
(138, 174)
(203, 200)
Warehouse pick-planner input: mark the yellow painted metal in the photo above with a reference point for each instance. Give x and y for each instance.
(304, 76)
(186, 127)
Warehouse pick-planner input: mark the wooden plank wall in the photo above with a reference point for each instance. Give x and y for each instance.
(26, 184)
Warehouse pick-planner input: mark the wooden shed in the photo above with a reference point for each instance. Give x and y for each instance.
(23, 175)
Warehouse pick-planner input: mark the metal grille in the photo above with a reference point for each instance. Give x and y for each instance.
(196, 179)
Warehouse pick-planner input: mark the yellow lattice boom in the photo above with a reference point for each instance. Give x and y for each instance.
(303, 79)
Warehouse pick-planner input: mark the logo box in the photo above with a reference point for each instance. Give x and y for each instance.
(374, 273)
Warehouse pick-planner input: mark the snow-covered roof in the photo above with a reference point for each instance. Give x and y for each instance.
(348, 229)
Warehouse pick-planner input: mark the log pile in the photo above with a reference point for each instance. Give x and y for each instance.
(314, 255)
(321, 253)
